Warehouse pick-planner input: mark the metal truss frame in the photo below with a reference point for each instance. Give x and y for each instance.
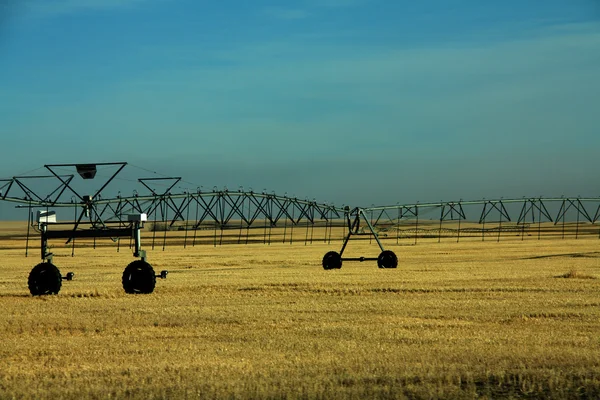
(101, 216)
(229, 209)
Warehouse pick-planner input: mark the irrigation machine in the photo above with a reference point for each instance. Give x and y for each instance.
(245, 216)
(45, 277)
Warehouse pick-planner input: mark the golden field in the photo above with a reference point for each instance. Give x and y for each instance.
(473, 319)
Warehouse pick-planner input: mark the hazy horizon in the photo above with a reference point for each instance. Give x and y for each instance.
(355, 102)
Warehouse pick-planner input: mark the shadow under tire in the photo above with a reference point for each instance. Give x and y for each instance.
(44, 279)
(139, 277)
(332, 260)
(387, 259)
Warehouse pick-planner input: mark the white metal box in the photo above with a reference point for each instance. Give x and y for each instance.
(137, 217)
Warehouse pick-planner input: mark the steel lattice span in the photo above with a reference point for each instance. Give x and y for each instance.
(245, 216)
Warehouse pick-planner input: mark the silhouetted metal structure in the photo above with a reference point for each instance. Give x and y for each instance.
(222, 216)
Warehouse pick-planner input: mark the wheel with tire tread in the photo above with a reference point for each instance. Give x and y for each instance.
(44, 278)
(139, 277)
(387, 259)
(332, 260)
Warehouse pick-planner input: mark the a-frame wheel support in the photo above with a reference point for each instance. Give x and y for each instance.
(334, 260)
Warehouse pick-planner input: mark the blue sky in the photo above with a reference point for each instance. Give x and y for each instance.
(355, 102)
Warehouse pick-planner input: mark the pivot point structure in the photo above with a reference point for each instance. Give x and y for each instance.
(45, 277)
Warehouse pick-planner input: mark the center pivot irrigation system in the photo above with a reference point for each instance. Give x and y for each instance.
(240, 216)
(119, 217)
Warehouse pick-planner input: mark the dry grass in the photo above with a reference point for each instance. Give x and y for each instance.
(455, 320)
(575, 274)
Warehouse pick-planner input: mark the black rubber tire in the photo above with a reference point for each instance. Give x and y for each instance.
(139, 278)
(44, 279)
(387, 259)
(332, 260)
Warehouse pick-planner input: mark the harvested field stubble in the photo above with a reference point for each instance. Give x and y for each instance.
(454, 320)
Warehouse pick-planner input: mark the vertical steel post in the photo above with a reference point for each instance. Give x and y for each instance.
(458, 233)
(165, 219)
(73, 238)
(44, 240)
(285, 222)
(29, 222)
(187, 219)
(499, 226)
(196, 225)
(484, 216)
(440, 228)
(293, 223)
(577, 226)
(137, 239)
(563, 218)
(241, 222)
(539, 221)
(416, 223)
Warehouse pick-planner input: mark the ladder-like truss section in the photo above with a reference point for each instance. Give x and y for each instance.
(502, 218)
(238, 216)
